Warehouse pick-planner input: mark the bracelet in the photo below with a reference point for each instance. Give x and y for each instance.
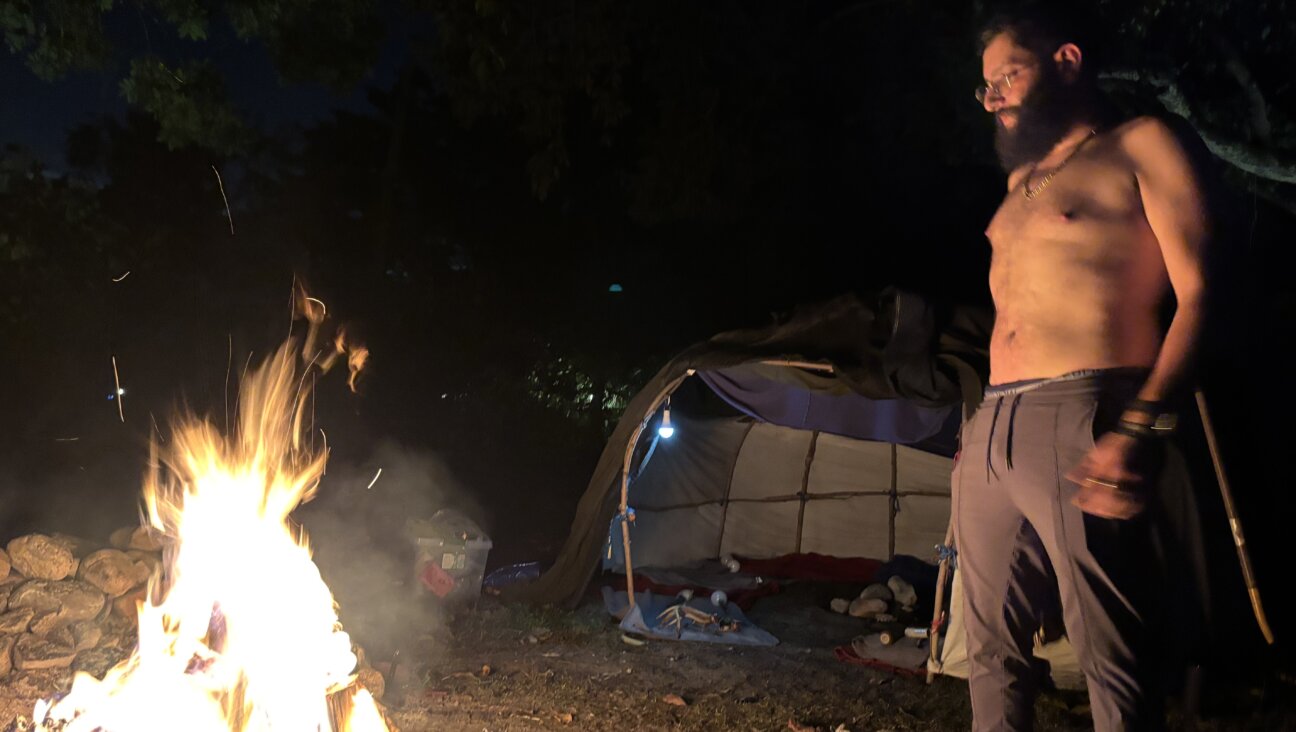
(1163, 420)
(1143, 406)
(1134, 429)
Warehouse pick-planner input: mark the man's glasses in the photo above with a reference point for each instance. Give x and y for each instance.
(996, 88)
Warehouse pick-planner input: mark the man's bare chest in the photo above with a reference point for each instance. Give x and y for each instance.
(1089, 210)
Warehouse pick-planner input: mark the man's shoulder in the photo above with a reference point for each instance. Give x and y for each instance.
(1147, 135)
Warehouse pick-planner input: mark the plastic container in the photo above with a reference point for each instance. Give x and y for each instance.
(449, 558)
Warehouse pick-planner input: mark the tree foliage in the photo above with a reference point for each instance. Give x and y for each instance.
(334, 42)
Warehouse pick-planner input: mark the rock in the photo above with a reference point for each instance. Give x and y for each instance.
(6, 654)
(119, 641)
(85, 635)
(839, 605)
(77, 545)
(32, 653)
(121, 538)
(39, 684)
(877, 592)
(112, 571)
(149, 560)
(6, 589)
(97, 661)
(39, 557)
(128, 605)
(146, 538)
(4, 564)
(62, 636)
(73, 599)
(864, 607)
(16, 621)
(45, 623)
(904, 592)
(369, 678)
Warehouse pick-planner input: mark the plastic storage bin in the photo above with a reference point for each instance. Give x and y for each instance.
(450, 557)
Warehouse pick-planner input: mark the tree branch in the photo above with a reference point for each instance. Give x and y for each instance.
(1245, 156)
(1238, 69)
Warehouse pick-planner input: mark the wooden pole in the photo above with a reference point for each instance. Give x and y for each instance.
(624, 509)
(1235, 523)
(807, 365)
(938, 614)
(625, 520)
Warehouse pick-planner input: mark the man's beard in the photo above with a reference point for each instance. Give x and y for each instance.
(1044, 117)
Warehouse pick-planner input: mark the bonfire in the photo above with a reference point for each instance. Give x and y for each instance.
(238, 631)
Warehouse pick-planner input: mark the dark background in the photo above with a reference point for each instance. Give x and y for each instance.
(523, 208)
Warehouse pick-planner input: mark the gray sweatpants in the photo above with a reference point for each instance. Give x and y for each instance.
(1023, 545)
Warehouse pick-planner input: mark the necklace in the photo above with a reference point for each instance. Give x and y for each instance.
(1031, 192)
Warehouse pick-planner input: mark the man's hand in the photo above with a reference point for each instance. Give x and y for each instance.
(1111, 486)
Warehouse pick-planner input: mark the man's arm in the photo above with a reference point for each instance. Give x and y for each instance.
(1176, 212)
(1175, 207)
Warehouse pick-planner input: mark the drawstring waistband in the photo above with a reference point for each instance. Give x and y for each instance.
(1012, 420)
(1017, 389)
(994, 422)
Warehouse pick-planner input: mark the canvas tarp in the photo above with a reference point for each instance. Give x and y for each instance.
(749, 489)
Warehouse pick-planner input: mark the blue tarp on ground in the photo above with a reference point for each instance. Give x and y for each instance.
(642, 619)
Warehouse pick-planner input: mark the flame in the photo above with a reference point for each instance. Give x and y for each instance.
(238, 630)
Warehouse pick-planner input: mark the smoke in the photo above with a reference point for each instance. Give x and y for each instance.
(357, 532)
(79, 490)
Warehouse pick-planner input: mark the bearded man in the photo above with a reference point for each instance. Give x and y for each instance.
(1100, 222)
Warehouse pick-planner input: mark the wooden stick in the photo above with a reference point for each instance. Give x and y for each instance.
(938, 614)
(1235, 523)
(807, 365)
(624, 512)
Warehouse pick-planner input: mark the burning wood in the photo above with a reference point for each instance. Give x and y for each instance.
(236, 628)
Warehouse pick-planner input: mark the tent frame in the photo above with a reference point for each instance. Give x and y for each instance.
(623, 510)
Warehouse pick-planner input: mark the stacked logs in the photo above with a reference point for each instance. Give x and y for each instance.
(68, 605)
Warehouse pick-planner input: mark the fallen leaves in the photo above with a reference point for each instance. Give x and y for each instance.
(675, 700)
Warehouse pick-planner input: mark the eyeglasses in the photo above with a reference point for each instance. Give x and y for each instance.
(996, 88)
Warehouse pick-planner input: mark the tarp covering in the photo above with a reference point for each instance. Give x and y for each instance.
(894, 345)
(728, 486)
(756, 390)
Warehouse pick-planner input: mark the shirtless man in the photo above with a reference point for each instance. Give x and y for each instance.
(1100, 221)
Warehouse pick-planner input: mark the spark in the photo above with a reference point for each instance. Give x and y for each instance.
(229, 363)
(124, 276)
(375, 479)
(321, 304)
(228, 214)
(157, 429)
(121, 411)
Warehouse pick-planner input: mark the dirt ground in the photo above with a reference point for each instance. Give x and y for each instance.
(517, 668)
(514, 667)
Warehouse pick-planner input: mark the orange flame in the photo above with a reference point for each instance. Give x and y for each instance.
(239, 631)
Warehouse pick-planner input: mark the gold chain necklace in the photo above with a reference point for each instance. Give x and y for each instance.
(1029, 192)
